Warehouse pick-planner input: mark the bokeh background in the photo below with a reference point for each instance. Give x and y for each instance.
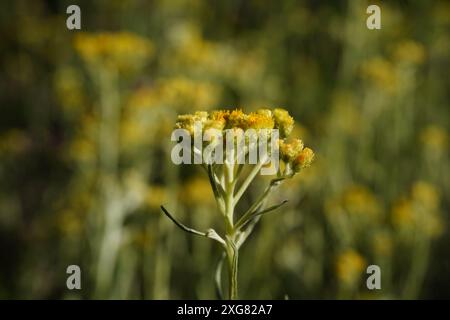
(85, 146)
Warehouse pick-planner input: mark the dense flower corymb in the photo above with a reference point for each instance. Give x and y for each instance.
(291, 150)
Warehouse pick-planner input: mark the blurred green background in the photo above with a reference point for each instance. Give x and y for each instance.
(85, 127)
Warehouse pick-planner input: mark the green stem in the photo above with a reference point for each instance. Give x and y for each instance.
(249, 179)
(229, 198)
(232, 255)
(231, 250)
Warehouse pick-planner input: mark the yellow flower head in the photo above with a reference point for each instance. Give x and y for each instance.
(283, 121)
(260, 120)
(237, 119)
(290, 150)
(265, 112)
(304, 159)
(220, 115)
(215, 124)
(187, 121)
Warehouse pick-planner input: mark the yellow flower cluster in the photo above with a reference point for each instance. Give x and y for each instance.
(292, 152)
(122, 51)
(295, 154)
(284, 122)
(228, 119)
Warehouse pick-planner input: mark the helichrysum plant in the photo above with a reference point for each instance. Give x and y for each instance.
(225, 142)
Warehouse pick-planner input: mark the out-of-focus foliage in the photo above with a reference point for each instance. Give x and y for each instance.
(85, 125)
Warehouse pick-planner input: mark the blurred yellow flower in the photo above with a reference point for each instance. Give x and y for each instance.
(123, 51)
(420, 211)
(402, 213)
(356, 200)
(349, 266)
(134, 133)
(435, 138)
(409, 51)
(193, 52)
(381, 72)
(156, 195)
(426, 194)
(382, 243)
(196, 191)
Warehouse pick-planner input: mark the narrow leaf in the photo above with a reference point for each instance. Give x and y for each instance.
(182, 226)
(259, 213)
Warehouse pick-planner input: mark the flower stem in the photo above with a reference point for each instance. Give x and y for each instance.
(249, 179)
(232, 255)
(231, 250)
